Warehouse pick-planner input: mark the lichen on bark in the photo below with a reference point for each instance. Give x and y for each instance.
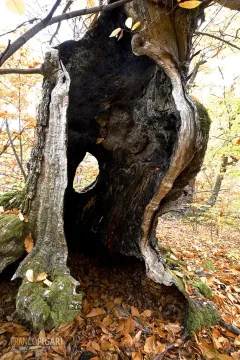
(48, 307)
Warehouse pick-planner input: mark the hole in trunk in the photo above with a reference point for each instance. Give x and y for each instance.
(86, 174)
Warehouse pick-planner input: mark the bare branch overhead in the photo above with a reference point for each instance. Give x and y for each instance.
(217, 38)
(231, 4)
(17, 44)
(31, 21)
(67, 6)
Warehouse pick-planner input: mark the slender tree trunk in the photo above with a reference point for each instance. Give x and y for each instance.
(217, 187)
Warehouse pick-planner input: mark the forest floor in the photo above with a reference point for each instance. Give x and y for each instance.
(127, 316)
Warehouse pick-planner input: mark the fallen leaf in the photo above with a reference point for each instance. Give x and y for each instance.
(60, 349)
(42, 276)
(95, 346)
(174, 328)
(127, 340)
(20, 215)
(134, 311)
(95, 312)
(47, 282)
(149, 346)
(28, 243)
(237, 341)
(146, 313)
(29, 275)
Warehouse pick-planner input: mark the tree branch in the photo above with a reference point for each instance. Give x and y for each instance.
(69, 3)
(22, 71)
(15, 153)
(52, 11)
(17, 44)
(18, 27)
(12, 48)
(6, 50)
(217, 38)
(193, 75)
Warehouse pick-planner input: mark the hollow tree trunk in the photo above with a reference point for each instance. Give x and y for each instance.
(126, 105)
(44, 202)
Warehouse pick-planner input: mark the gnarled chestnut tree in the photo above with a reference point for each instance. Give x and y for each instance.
(125, 102)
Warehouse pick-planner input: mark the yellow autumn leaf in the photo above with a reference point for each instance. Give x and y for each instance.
(190, 4)
(136, 25)
(16, 6)
(115, 32)
(129, 22)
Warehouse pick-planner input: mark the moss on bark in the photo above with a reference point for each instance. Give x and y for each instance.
(48, 306)
(12, 234)
(202, 287)
(201, 314)
(12, 199)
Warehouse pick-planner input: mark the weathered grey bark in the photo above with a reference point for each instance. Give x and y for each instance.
(149, 137)
(46, 186)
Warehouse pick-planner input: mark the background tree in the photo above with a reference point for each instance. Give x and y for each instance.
(18, 114)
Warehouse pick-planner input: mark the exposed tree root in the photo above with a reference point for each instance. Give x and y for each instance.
(42, 305)
(231, 328)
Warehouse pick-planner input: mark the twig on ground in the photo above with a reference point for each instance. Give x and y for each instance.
(231, 328)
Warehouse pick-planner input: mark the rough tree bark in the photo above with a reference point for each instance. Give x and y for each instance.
(124, 102)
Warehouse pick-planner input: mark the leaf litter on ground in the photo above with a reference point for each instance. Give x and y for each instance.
(126, 316)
